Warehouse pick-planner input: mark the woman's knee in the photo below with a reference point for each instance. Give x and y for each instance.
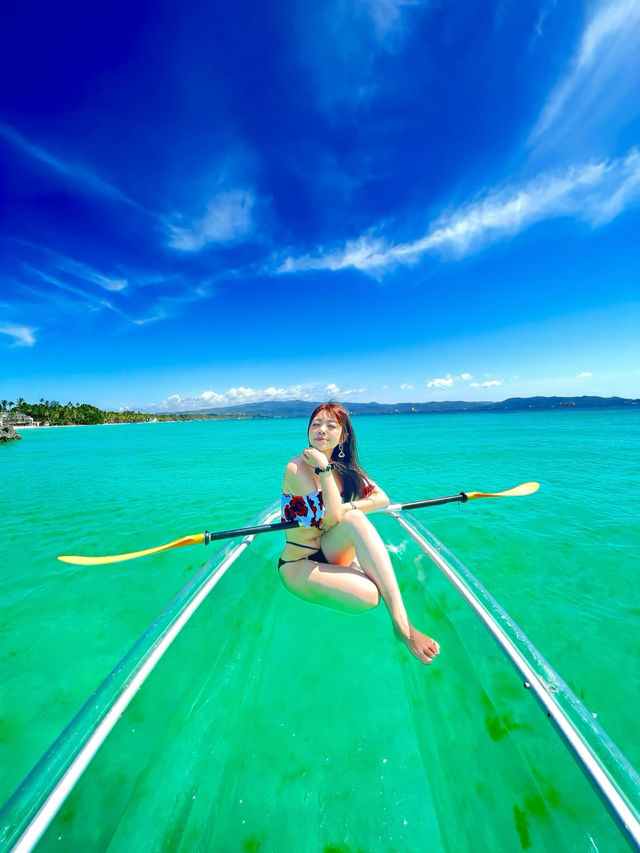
(372, 598)
(356, 520)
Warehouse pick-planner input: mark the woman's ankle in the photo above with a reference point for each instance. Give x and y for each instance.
(402, 628)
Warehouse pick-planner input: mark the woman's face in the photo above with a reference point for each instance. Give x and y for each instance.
(325, 432)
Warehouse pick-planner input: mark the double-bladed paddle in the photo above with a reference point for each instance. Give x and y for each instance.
(206, 537)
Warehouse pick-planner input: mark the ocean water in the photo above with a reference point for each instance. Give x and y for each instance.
(562, 562)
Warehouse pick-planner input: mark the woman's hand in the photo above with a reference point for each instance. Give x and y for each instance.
(326, 524)
(314, 457)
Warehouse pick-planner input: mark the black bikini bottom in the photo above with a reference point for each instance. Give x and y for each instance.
(317, 556)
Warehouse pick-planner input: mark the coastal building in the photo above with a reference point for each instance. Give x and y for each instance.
(17, 419)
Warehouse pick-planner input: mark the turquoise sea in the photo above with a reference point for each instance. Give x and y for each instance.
(562, 562)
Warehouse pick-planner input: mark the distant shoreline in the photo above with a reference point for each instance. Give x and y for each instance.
(42, 415)
(302, 408)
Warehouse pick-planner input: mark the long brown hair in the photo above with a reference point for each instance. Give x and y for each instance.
(355, 483)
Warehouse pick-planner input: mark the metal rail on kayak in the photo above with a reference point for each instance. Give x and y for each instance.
(588, 743)
(34, 804)
(30, 809)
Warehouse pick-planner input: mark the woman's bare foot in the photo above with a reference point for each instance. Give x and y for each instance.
(421, 647)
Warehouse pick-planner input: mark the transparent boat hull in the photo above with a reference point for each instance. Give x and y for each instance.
(270, 724)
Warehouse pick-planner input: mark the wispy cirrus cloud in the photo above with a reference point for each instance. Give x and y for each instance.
(23, 336)
(77, 292)
(599, 84)
(228, 217)
(595, 192)
(543, 14)
(72, 171)
(340, 42)
(88, 273)
(69, 297)
(71, 286)
(170, 304)
(388, 16)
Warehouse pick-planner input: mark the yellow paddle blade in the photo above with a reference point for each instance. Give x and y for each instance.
(192, 539)
(521, 489)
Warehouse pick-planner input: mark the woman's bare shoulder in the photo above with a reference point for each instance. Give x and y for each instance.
(294, 465)
(297, 476)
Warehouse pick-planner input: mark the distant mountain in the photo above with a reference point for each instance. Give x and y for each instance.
(518, 403)
(303, 408)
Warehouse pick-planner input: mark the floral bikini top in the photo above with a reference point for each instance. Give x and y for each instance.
(305, 509)
(308, 510)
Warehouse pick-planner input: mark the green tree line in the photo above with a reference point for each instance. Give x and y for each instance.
(59, 414)
(65, 414)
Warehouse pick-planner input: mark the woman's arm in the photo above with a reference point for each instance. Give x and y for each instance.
(375, 500)
(331, 499)
(334, 508)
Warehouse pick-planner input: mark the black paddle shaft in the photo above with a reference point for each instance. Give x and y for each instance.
(247, 531)
(461, 497)
(208, 536)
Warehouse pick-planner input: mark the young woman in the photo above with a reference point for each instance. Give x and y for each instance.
(325, 489)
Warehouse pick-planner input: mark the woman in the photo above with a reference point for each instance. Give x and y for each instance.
(327, 492)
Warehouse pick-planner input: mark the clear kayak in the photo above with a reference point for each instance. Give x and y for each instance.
(243, 719)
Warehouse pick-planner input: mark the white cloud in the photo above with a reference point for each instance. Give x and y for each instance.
(339, 43)
(73, 171)
(23, 335)
(157, 313)
(598, 87)
(445, 381)
(441, 382)
(406, 386)
(584, 373)
(87, 273)
(83, 297)
(227, 218)
(246, 394)
(233, 396)
(363, 254)
(489, 383)
(595, 192)
(388, 15)
(542, 17)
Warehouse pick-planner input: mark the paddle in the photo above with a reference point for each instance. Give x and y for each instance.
(206, 537)
(517, 491)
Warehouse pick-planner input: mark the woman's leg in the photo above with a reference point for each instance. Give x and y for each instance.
(356, 533)
(344, 588)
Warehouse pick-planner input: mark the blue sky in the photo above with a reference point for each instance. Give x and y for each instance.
(393, 200)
